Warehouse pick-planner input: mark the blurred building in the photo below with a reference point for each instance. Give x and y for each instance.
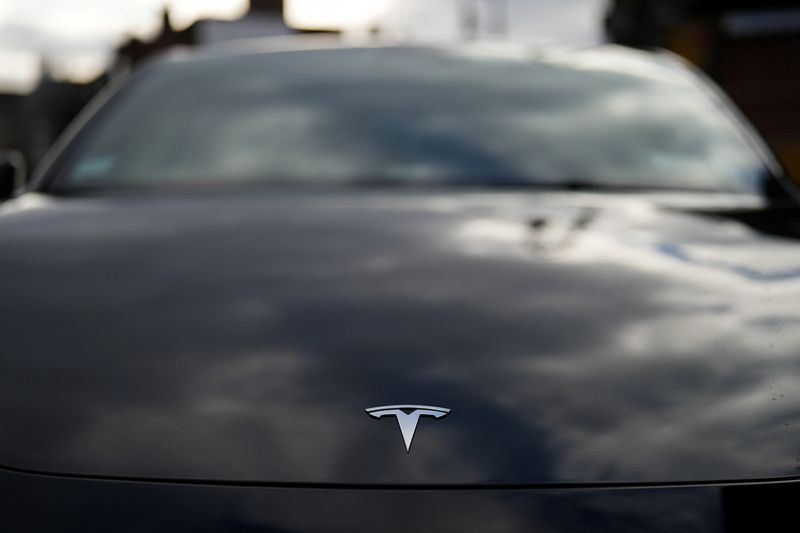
(749, 47)
(32, 122)
(8, 117)
(263, 19)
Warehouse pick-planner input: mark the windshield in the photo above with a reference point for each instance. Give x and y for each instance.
(416, 116)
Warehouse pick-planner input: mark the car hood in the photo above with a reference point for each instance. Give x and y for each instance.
(575, 338)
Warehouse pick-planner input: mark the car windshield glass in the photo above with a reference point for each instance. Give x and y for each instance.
(417, 116)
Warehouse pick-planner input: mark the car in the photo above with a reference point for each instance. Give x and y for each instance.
(300, 286)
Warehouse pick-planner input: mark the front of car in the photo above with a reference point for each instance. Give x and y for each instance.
(396, 289)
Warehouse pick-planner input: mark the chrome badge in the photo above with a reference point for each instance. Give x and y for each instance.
(407, 417)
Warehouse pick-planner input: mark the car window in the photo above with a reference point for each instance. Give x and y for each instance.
(415, 116)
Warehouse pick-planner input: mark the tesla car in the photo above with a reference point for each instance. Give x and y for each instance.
(307, 287)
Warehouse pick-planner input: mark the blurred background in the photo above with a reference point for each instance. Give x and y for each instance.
(55, 55)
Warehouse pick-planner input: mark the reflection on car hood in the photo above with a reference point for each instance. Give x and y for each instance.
(575, 338)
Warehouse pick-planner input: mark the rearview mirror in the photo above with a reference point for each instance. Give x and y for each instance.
(12, 173)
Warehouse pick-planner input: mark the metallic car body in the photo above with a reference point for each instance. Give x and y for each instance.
(202, 361)
(44, 503)
(574, 353)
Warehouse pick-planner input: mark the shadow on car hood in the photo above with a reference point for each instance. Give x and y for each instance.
(576, 338)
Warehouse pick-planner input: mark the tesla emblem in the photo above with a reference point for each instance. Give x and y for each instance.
(407, 417)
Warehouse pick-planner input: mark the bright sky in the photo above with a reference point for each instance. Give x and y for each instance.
(570, 22)
(77, 36)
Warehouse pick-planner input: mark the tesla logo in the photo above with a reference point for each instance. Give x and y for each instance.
(407, 417)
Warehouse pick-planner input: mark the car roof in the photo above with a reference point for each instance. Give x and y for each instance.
(647, 63)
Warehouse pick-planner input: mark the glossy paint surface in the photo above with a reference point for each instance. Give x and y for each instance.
(43, 504)
(240, 336)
